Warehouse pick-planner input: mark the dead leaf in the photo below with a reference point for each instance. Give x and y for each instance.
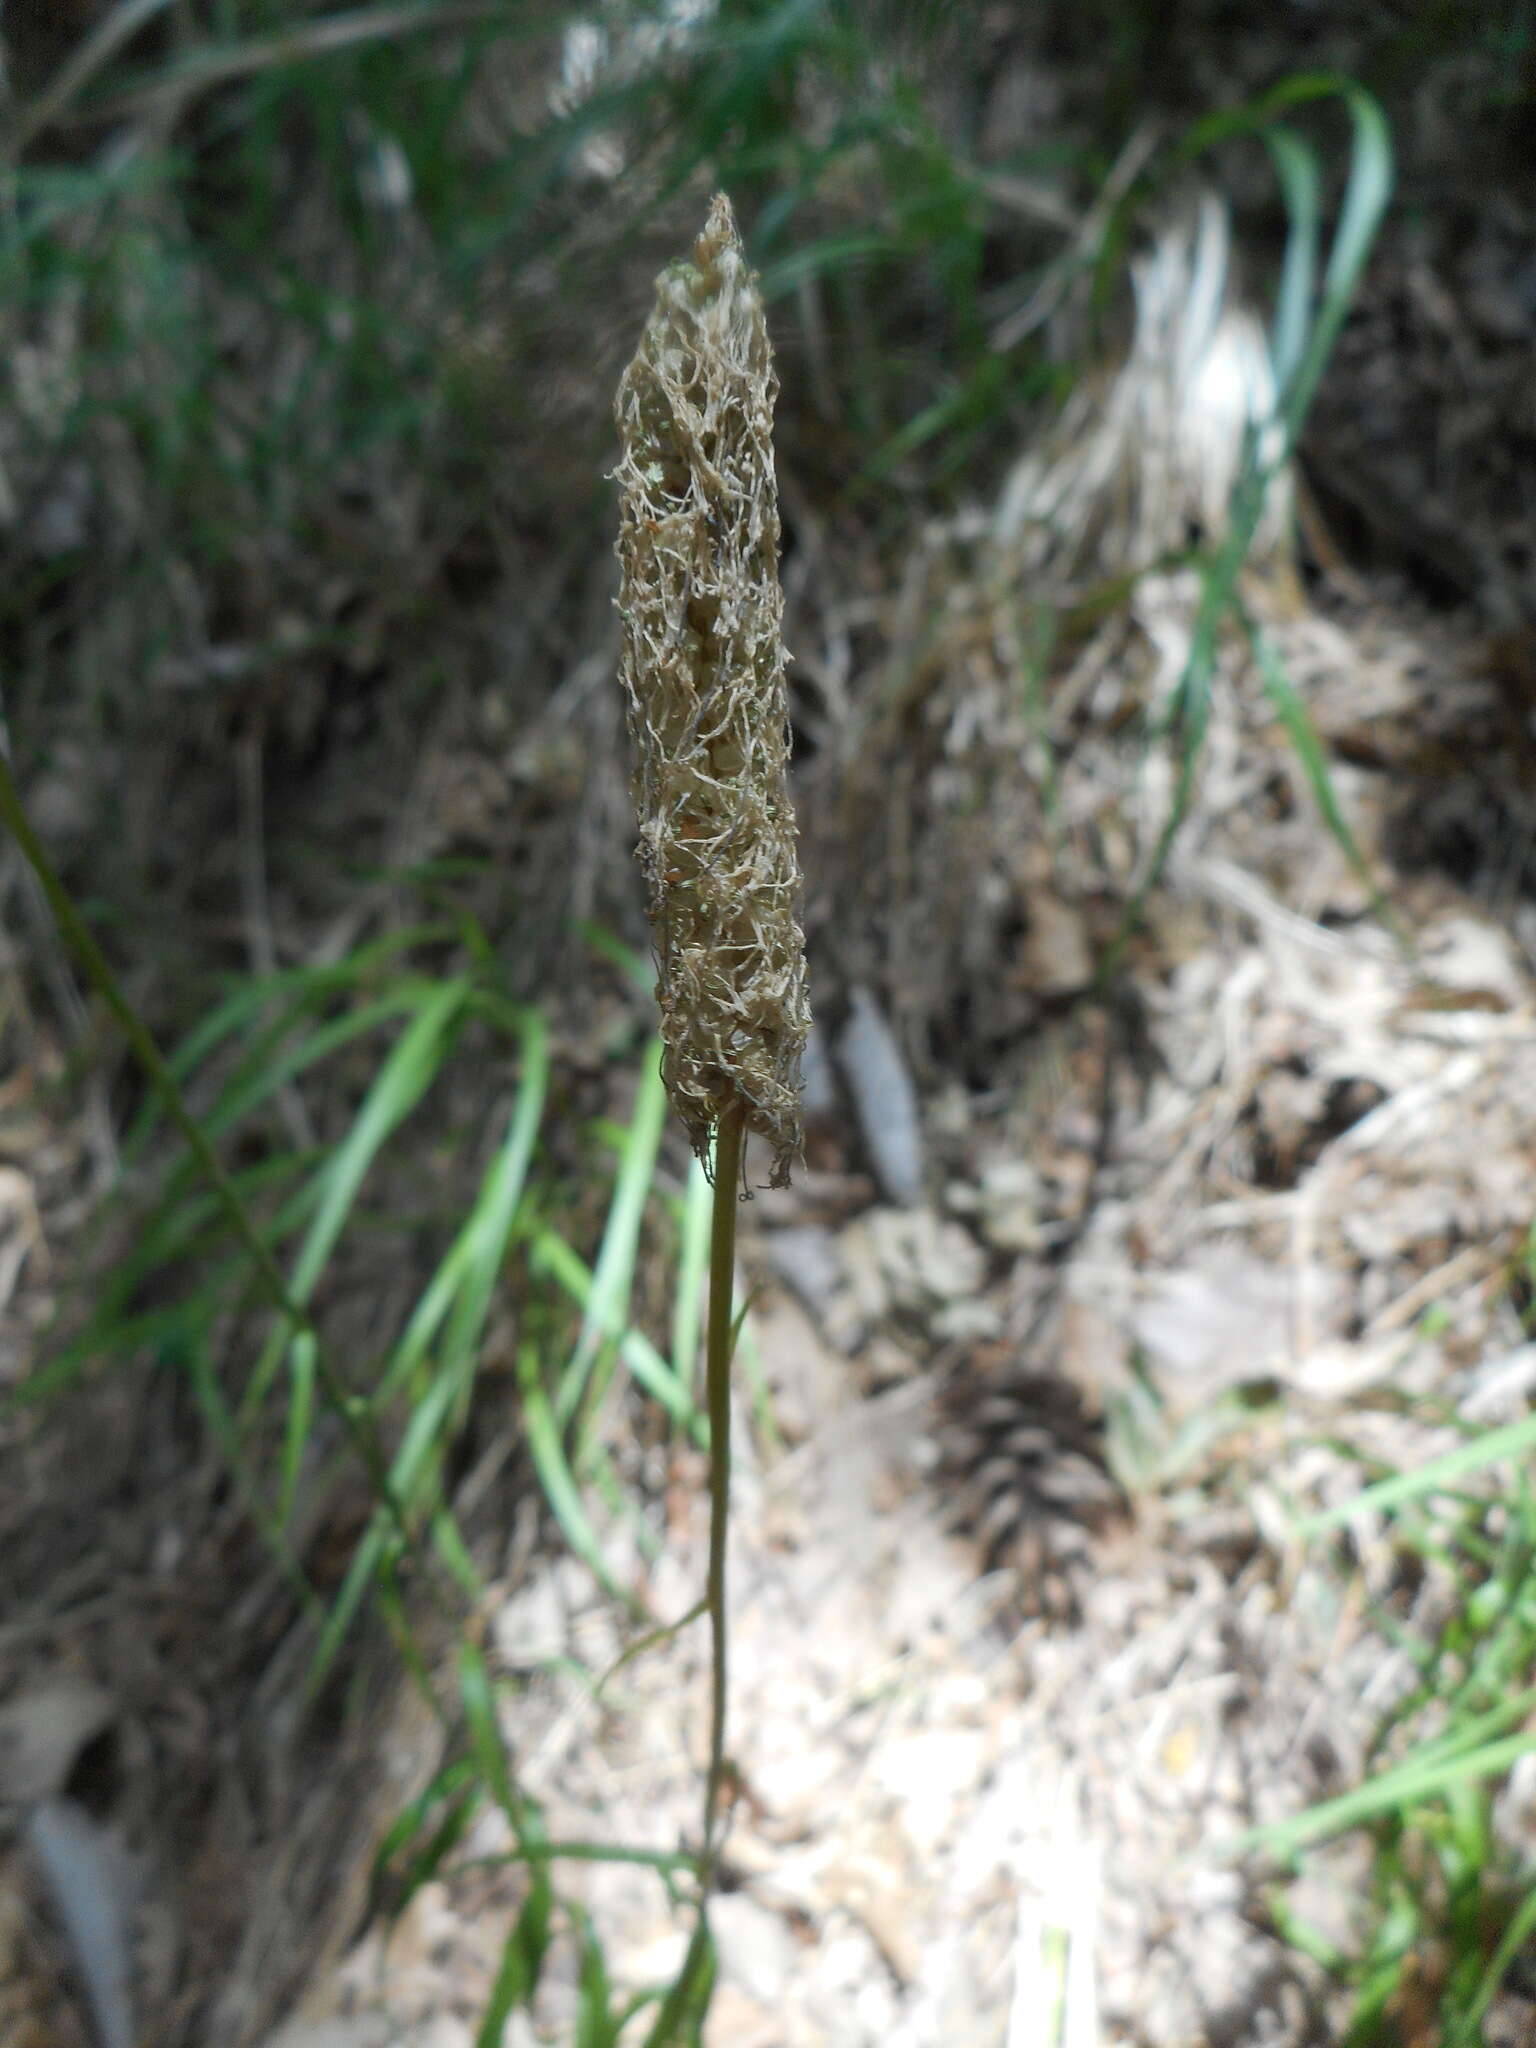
(42, 1732)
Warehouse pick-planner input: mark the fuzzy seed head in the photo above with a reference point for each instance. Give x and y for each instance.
(703, 671)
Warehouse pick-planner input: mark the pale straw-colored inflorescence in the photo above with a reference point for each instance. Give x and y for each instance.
(703, 669)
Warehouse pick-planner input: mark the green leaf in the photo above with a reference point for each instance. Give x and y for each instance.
(301, 1405)
(485, 1742)
(552, 1257)
(680, 2023)
(446, 1786)
(1411, 1784)
(635, 967)
(692, 1265)
(1308, 749)
(1491, 1448)
(595, 2023)
(522, 1961)
(455, 1790)
(411, 1462)
(613, 1275)
(406, 1075)
(560, 1489)
(1300, 184)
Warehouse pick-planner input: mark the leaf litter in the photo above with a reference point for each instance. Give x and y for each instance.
(1250, 1210)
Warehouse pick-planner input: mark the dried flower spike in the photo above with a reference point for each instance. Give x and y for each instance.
(703, 668)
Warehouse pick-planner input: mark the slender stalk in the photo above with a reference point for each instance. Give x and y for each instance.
(722, 1266)
(702, 667)
(682, 2010)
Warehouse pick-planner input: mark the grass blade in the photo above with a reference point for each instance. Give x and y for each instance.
(692, 1263)
(551, 1255)
(1300, 186)
(595, 2024)
(1411, 1782)
(522, 1960)
(680, 2023)
(560, 1489)
(613, 1274)
(1436, 1476)
(405, 1077)
(1308, 748)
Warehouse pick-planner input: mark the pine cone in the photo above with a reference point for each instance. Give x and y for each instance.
(1022, 1463)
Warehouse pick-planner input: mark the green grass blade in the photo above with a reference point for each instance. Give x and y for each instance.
(1522, 1925)
(172, 1330)
(367, 1559)
(1308, 749)
(187, 1234)
(692, 1264)
(1300, 185)
(412, 1463)
(300, 990)
(613, 1274)
(405, 1077)
(438, 1847)
(1365, 202)
(489, 1229)
(551, 1256)
(454, 1552)
(301, 1408)
(1492, 1448)
(461, 1290)
(635, 967)
(680, 2023)
(485, 1740)
(596, 2026)
(523, 1958)
(522, 1961)
(560, 1489)
(237, 1011)
(1366, 193)
(222, 1428)
(1410, 1784)
(448, 1786)
(262, 1071)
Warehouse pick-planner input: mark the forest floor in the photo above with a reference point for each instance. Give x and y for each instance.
(1050, 1580)
(1303, 1227)
(1266, 1233)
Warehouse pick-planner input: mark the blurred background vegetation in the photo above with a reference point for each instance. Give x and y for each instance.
(310, 318)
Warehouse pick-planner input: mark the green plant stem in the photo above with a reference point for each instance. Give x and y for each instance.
(722, 1267)
(682, 2010)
